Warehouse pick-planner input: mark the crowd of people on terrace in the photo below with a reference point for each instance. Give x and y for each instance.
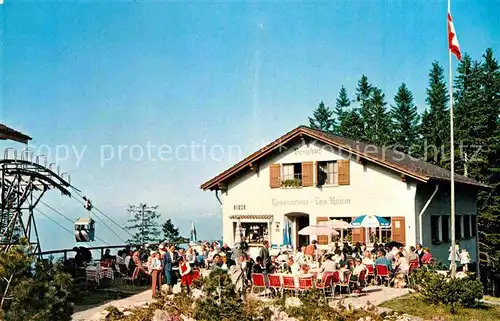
(356, 265)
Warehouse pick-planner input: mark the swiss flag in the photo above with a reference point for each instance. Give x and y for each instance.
(452, 39)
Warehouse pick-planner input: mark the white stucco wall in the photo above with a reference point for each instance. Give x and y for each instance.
(372, 190)
(440, 205)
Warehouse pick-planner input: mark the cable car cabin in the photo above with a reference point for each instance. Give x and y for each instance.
(85, 230)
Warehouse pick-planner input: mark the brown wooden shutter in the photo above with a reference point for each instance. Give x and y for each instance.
(398, 229)
(307, 174)
(344, 172)
(275, 175)
(358, 235)
(315, 173)
(322, 239)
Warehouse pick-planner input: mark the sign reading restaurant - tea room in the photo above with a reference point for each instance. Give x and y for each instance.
(313, 201)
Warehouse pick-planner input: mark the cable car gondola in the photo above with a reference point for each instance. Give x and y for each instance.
(85, 230)
(85, 227)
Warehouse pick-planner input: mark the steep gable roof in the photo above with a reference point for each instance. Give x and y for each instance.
(386, 157)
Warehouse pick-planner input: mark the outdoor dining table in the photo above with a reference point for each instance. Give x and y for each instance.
(319, 273)
(97, 273)
(295, 277)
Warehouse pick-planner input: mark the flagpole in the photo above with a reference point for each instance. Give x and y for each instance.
(453, 265)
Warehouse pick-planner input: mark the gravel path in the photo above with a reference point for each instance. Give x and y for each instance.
(373, 294)
(97, 313)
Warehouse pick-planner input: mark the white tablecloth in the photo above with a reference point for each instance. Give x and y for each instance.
(295, 277)
(98, 273)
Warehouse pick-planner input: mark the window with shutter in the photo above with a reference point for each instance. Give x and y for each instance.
(307, 174)
(344, 171)
(275, 175)
(322, 239)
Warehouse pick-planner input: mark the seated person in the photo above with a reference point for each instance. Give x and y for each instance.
(258, 267)
(328, 264)
(274, 266)
(358, 268)
(217, 262)
(367, 258)
(401, 265)
(427, 257)
(412, 255)
(383, 260)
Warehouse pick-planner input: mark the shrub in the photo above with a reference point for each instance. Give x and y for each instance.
(42, 293)
(436, 288)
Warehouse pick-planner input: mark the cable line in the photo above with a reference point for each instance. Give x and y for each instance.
(102, 221)
(102, 213)
(72, 222)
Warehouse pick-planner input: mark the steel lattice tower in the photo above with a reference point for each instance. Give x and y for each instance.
(24, 181)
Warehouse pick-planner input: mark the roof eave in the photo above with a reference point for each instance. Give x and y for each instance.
(477, 185)
(7, 133)
(212, 183)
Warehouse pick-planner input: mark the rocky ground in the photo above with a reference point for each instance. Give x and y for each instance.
(374, 295)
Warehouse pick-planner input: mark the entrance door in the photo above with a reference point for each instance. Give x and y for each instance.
(398, 229)
(302, 221)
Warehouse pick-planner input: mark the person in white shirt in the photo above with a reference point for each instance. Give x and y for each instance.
(156, 271)
(293, 266)
(401, 265)
(210, 256)
(359, 267)
(300, 256)
(328, 264)
(127, 260)
(368, 259)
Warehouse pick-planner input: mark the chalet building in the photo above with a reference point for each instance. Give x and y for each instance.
(308, 176)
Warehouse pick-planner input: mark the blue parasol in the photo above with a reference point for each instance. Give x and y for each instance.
(370, 221)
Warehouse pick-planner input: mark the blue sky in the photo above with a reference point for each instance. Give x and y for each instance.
(95, 76)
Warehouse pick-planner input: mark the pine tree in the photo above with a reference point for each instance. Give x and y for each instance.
(323, 119)
(350, 124)
(435, 129)
(489, 201)
(405, 119)
(363, 95)
(144, 222)
(470, 119)
(170, 232)
(341, 111)
(378, 132)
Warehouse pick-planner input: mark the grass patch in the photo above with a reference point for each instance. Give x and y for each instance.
(412, 305)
